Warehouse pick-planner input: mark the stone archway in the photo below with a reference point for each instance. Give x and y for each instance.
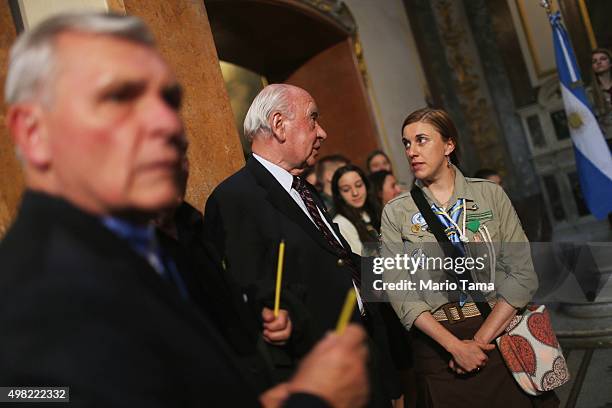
(309, 44)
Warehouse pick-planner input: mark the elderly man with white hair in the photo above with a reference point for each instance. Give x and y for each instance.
(266, 201)
(90, 300)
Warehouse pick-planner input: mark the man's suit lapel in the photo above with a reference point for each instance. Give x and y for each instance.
(282, 201)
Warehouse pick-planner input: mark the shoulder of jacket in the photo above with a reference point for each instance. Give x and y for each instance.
(401, 204)
(239, 181)
(484, 186)
(486, 190)
(478, 180)
(402, 198)
(339, 218)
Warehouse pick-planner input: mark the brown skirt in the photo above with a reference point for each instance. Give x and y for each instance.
(493, 386)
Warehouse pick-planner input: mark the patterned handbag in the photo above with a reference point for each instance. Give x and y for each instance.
(532, 353)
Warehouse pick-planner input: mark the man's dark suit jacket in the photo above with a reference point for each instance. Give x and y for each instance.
(81, 309)
(247, 216)
(228, 307)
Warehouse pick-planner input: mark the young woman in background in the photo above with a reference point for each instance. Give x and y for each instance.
(356, 215)
(384, 187)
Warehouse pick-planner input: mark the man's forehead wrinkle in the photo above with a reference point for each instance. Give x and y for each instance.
(306, 103)
(85, 44)
(74, 47)
(313, 107)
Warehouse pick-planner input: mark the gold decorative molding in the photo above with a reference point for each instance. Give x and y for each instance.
(363, 69)
(586, 18)
(537, 63)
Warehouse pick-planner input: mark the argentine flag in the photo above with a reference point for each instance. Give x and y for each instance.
(593, 159)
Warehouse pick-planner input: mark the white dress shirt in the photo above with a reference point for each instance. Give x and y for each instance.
(285, 179)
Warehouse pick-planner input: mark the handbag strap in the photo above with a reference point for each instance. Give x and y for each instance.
(449, 249)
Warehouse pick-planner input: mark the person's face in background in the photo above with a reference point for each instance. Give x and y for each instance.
(328, 174)
(352, 189)
(495, 178)
(379, 162)
(311, 178)
(601, 63)
(390, 189)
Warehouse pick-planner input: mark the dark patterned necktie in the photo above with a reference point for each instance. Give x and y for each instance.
(299, 186)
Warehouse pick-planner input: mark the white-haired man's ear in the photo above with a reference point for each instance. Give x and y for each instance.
(277, 123)
(29, 136)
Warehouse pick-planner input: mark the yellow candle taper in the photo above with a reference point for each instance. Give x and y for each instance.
(347, 311)
(279, 276)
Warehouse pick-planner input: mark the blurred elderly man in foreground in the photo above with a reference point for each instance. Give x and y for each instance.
(89, 299)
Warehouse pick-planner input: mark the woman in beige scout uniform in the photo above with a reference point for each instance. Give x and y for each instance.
(455, 361)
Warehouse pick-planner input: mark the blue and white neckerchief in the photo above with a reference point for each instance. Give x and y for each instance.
(450, 220)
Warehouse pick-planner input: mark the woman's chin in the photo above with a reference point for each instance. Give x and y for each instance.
(420, 174)
(357, 206)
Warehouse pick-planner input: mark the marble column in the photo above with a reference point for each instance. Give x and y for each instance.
(11, 179)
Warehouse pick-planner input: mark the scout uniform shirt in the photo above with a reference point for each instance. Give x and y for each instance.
(491, 227)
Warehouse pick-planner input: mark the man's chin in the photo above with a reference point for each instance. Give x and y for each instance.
(312, 160)
(155, 201)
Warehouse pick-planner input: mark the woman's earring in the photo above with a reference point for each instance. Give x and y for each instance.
(448, 161)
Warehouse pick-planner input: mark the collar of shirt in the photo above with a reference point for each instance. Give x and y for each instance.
(460, 191)
(366, 217)
(284, 178)
(141, 238)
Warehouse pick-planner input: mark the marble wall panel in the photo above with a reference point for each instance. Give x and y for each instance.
(11, 179)
(184, 37)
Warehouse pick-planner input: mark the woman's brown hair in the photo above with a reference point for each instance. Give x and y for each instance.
(442, 122)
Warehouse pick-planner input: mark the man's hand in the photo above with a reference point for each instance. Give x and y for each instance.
(276, 330)
(274, 397)
(335, 370)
